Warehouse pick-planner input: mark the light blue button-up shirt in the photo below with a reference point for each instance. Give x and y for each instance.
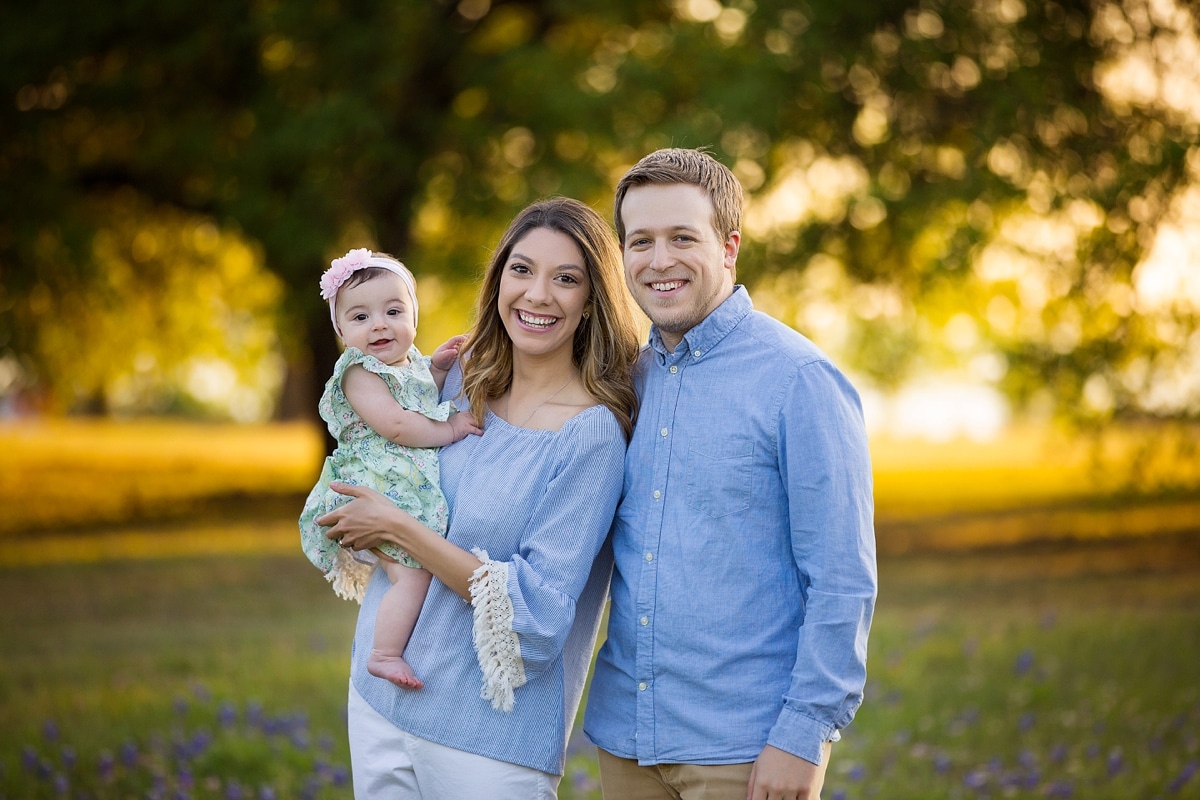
(745, 551)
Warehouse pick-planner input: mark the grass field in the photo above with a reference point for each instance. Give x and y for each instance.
(1045, 671)
(1032, 485)
(163, 638)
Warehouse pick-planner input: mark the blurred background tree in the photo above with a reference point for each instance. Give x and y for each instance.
(999, 192)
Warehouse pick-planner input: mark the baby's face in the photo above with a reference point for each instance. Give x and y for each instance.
(376, 316)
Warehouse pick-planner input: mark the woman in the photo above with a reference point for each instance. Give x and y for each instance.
(505, 636)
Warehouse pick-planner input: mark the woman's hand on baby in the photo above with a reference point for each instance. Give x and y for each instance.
(363, 522)
(445, 354)
(463, 424)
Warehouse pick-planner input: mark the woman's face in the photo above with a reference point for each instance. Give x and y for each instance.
(544, 287)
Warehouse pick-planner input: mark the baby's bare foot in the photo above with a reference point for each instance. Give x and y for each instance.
(394, 669)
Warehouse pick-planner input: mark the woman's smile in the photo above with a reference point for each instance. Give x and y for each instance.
(535, 321)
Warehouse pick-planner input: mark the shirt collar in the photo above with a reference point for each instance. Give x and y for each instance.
(713, 328)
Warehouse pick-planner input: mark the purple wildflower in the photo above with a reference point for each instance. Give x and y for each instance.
(1061, 789)
(1186, 774)
(1115, 762)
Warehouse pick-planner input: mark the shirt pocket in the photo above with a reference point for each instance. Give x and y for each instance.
(719, 477)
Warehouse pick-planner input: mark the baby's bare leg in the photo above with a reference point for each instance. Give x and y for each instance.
(394, 623)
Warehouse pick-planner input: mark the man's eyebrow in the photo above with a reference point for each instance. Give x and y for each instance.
(682, 226)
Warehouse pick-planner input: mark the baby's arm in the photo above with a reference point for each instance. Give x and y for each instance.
(443, 358)
(369, 397)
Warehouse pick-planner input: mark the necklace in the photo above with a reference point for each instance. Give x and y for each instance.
(539, 405)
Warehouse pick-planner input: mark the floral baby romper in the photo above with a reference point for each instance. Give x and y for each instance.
(408, 476)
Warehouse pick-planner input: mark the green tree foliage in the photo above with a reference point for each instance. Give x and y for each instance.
(935, 184)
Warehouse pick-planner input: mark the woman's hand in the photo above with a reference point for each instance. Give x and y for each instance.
(367, 521)
(370, 519)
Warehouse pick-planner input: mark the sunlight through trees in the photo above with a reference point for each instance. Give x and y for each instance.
(988, 194)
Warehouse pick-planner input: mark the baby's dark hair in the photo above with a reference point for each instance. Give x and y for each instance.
(365, 274)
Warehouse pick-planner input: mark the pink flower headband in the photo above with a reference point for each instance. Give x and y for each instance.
(342, 268)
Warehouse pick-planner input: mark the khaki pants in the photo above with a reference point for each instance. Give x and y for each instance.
(623, 779)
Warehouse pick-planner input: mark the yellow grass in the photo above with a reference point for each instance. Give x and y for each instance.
(63, 483)
(66, 473)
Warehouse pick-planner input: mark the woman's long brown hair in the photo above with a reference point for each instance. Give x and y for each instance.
(606, 342)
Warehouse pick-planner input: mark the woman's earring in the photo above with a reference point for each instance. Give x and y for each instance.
(587, 314)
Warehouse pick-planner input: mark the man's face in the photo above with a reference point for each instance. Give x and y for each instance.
(677, 266)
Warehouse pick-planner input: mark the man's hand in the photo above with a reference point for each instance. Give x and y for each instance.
(779, 775)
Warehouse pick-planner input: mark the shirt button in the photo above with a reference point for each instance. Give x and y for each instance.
(642, 686)
(649, 556)
(696, 353)
(645, 620)
(674, 369)
(663, 432)
(657, 494)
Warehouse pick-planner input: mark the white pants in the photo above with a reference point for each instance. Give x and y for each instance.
(390, 764)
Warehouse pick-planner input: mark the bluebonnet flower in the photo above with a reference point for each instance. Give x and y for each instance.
(1061, 789)
(1115, 762)
(1186, 774)
(1024, 662)
(976, 778)
(254, 713)
(583, 781)
(105, 766)
(310, 789)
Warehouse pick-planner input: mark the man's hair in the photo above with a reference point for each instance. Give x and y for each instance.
(694, 167)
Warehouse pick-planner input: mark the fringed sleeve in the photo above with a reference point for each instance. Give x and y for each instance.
(496, 644)
(349, 576)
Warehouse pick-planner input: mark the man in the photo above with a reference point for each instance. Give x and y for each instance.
(745, 552)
